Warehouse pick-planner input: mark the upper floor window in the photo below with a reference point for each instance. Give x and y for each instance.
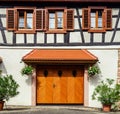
(30, 20)
(25, 19)
(21, 20)
(59, 20)
(56, 20)
(97, 19)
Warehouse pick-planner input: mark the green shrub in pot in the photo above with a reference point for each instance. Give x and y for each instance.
(107, 93)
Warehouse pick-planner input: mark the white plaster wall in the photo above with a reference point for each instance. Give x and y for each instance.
(115, 11)
(108, 66)
(2, 10)
(50, 38)
(12, 58)
(74, 36)
(60, 38)
(40, 37)
(30, 38)
(9, 36)
(1, 39)
(19, 38)
(76, 24)
(108, 36)
(12, 65)
(97, 37)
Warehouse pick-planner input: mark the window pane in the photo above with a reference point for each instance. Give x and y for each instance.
(60, 14)
(99, 22)
(60, 23)
(93, 20)
(93, 14)
(52, 15)
(29, 20)
(21, 20)
(52, 20)
(100, 19)
(59, 19)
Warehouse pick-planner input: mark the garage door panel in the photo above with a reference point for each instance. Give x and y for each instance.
(63, 89)
(79, 90)
(49, 89)
(70, 90)
(41, 89)
(56, 88)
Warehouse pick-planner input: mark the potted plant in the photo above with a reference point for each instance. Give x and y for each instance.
(93, 70)
(107, 93)
(8, 89)
(27, 70)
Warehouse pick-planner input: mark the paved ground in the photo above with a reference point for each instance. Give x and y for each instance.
(52, 110)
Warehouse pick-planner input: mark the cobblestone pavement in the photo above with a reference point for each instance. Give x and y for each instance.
(52, 110)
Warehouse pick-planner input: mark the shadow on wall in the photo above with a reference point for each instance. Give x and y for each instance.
(28, 80)
(94, 80)
(2, 67)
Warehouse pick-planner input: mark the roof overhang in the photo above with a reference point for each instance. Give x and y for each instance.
(58, 56)
(62, 0)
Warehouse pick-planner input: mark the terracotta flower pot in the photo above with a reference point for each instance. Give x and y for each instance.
(1, 105)
(106, 108)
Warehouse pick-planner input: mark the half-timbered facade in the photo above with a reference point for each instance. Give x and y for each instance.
(60, 39)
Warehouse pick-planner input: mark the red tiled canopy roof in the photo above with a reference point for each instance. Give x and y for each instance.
(50, 55)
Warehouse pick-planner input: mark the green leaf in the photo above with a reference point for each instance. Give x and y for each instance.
(106, 92)
(8, 87)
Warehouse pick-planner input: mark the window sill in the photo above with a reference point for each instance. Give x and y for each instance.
(25, 31)
(97, 30)
(55, 31)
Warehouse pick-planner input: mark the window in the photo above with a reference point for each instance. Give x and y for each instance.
(59, 20)
(21, 20)
(97, 19)
(49, 20)
(56, 20)
(25, 19)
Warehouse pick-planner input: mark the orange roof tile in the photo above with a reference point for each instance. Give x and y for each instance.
(40, 55)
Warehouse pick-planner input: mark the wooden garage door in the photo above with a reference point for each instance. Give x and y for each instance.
(60, 84)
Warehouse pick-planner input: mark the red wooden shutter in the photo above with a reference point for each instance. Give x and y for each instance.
(85, 19)
(70, 19)
(10, 19)
(39, 19)
(108, 19)
(46, 19)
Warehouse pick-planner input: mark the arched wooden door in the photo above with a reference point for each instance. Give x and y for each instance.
(60, 84)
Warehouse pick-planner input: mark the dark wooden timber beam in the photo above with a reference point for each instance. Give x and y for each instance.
(61, 0)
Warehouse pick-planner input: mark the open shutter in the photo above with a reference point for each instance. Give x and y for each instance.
(46, 19)
(10, 19)
(70, 19)
(85, 18)
(39, 19)
(108, 19)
